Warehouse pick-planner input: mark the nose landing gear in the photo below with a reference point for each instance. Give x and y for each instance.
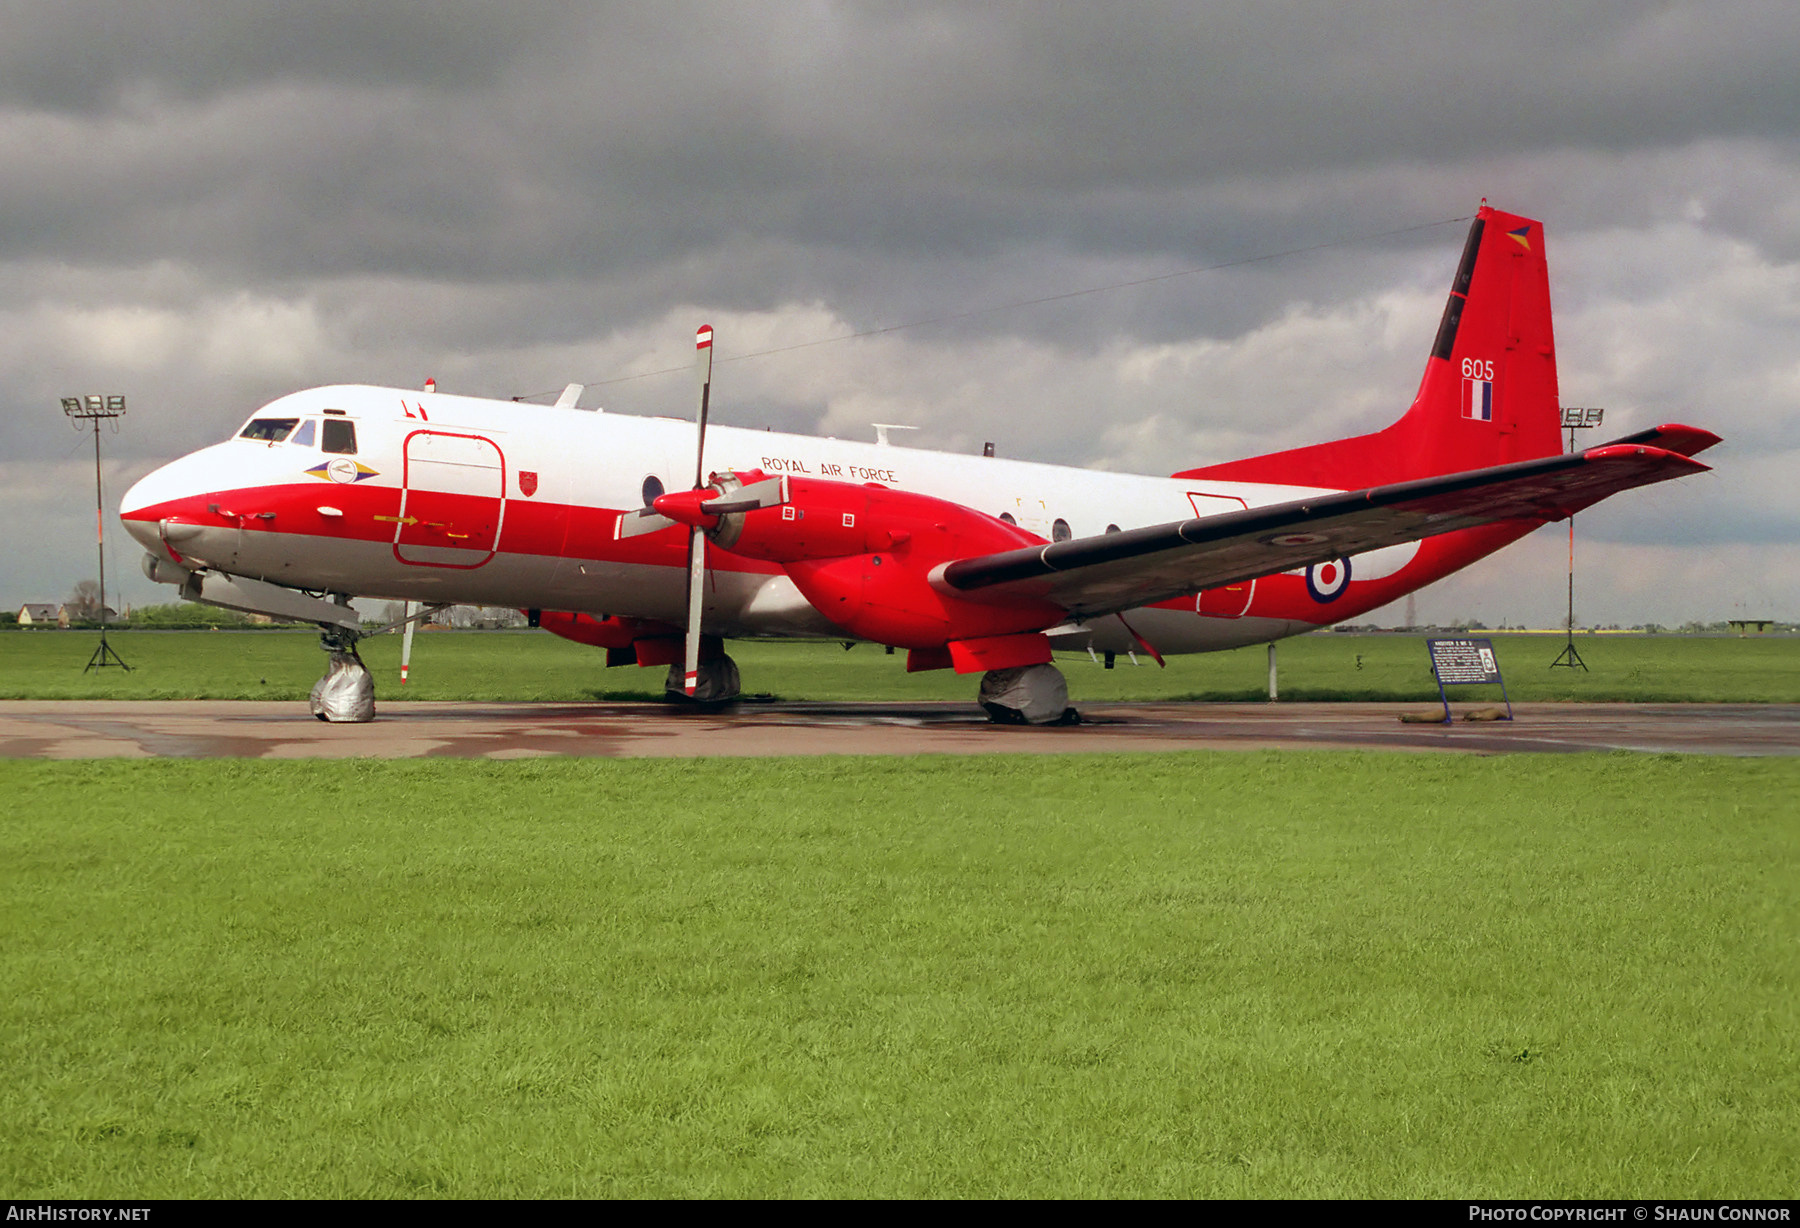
(346, 694)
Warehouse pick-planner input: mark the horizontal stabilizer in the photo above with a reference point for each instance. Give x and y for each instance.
(1671, 437)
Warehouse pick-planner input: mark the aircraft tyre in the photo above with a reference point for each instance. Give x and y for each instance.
(1028, 695)
(718, 681)
(346, 694)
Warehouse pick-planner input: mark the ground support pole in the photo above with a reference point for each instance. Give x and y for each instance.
(105, 654)
(1568, 656)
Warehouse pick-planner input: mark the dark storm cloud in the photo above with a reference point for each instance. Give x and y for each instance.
(481, 141)
(93, 56)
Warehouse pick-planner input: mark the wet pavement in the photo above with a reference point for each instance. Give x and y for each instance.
(89, 729)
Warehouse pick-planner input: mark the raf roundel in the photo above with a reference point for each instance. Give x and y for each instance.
(1327, 581)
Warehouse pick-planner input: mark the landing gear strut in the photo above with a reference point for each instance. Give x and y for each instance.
(716, 683)
(1028, 695)
(346, 694)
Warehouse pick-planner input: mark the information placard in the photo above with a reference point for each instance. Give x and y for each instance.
(1465, 662)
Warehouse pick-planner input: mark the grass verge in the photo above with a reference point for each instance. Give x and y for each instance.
(1195, 975)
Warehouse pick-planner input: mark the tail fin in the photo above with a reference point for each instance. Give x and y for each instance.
(1489, 393)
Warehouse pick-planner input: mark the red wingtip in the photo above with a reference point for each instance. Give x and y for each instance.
(1687, 440)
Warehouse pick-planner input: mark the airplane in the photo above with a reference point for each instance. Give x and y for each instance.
(973, 563)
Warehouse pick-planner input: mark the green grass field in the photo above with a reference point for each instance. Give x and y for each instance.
(534, 665)
(1311, 975)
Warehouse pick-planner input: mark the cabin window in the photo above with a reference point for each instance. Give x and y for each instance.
(269, 430)
(1112, 528)
(653, 488)
(1008, 518)
(1059, 532)
(304, 436)
(340, 436)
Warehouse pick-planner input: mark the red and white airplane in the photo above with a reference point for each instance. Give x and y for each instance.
(971, 563)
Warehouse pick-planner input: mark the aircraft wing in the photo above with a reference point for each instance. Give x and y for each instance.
(1119, 571)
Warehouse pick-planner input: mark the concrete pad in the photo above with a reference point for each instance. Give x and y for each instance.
(89, 729)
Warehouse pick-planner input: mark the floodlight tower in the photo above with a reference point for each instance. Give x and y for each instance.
(1574, 418)
(94, 409)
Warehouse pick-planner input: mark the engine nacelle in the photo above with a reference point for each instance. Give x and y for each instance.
(862, 554)
(822, 519)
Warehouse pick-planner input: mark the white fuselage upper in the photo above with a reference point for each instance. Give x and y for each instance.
(550, 481)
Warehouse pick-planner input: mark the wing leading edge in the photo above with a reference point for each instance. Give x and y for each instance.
(1119, 571)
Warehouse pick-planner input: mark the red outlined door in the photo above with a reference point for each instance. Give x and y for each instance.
(1233, 600)
(454, 500)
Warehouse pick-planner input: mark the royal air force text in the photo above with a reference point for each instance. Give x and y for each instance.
(857, 473)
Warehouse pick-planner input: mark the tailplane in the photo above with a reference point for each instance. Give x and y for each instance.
(1489, 392)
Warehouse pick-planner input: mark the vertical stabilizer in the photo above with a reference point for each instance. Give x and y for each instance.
(1489, 392)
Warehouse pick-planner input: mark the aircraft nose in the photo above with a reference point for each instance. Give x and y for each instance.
(135, 504)
(176, 488)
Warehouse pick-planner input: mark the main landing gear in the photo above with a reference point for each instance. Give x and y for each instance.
(346, 694)
(716, 681)
(1027, 695)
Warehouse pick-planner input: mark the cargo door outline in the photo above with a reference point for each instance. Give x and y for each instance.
(1231, 600)
(453, 500)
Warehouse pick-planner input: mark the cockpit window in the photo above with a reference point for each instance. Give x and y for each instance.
(340, 436)
(269, 430)
(304, 436)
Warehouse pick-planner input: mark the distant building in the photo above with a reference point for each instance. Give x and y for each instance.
(37, 614)
(67, 614)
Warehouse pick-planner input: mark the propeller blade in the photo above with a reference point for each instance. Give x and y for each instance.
(408, 610)
(703, 342)
(770, 492)
(696, 594)
(635, 524)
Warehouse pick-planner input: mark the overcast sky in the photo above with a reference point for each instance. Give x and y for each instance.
(206, 205)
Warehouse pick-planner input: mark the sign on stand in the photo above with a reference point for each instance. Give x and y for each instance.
(1465, 663)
